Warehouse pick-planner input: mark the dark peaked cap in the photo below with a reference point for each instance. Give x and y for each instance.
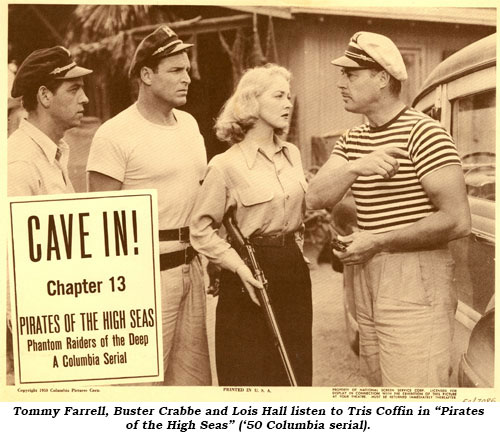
(45, 64)
(161, 43)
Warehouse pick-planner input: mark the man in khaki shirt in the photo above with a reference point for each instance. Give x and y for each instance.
(51, 86)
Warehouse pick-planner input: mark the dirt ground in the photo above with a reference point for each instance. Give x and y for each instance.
(335, 364)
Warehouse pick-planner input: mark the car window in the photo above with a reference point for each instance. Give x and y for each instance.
(473, 128)
(433, 112)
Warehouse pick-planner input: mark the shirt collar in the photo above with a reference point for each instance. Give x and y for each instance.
(388, 123)
(48, 146)
(250, 151)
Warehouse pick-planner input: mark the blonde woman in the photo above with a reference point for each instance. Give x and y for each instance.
(260, 180)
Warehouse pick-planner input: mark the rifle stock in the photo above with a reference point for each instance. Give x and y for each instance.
(247, 251)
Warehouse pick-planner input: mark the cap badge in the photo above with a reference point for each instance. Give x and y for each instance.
(168, 31)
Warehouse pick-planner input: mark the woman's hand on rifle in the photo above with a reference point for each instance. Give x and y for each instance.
(249, 282)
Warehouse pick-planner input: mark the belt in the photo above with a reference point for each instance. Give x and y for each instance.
(278, 240)
(181, 234)
(175, 259)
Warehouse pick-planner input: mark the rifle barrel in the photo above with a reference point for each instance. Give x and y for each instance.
(262, 295)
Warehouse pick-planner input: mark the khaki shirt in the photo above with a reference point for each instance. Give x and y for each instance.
(32, 165)
(266, 192)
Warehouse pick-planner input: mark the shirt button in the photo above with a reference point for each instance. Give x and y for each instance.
(287, 197)
(287, 223)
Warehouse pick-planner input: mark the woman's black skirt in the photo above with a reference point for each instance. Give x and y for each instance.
(245, 352)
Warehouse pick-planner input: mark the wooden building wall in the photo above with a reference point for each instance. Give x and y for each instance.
(307, 44)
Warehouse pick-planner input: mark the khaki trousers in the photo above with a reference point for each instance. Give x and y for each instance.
(405, 304)
(185, 345)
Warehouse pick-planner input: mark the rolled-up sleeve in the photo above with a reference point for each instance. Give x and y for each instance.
(212, 203)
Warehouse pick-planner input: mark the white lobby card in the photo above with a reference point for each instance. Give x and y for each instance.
(84, 284)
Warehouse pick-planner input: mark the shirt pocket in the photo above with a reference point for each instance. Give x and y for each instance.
(257, 207)
(252, 196)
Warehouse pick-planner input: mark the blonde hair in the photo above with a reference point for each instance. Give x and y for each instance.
(240, 112)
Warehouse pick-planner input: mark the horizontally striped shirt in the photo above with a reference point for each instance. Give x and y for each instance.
(384, 205)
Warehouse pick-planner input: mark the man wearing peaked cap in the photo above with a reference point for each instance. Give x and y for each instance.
(161, 43)
(153, 144)
(50, 84)
(407, 181)
(371, 50)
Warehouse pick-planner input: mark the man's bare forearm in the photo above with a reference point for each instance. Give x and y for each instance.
(436, 229)
(329, 186)
(430, 232)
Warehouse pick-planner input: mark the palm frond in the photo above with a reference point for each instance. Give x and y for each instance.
(94, 22)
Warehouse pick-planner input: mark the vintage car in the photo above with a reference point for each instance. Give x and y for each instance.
(460, 93)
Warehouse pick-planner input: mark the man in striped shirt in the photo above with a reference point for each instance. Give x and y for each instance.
(408, 186)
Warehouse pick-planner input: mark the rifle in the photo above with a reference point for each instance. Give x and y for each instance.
(245, 249)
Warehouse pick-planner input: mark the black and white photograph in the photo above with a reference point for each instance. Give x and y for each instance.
(233, 197)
